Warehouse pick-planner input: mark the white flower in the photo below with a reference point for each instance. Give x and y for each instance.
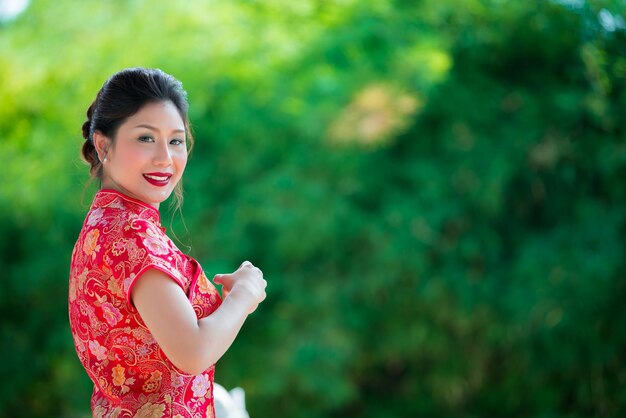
(156, 246)
(95, 216)
(200, 386)
(97, 350)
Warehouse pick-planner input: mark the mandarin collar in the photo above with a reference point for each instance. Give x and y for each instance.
(113, 198)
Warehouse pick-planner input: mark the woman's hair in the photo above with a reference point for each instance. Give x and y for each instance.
(123, 95)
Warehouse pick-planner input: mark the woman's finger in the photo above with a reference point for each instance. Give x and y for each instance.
(222, 279)
(246, 264)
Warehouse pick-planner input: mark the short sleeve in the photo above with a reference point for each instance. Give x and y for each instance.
(140, 246)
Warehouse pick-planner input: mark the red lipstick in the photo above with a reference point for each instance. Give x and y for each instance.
(158, 179)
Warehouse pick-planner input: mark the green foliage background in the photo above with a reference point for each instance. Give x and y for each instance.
(433, 188)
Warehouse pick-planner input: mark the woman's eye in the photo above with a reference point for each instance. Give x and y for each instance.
(177, 142)
(145, 138)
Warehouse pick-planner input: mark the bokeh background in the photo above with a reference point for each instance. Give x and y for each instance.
(435, 190)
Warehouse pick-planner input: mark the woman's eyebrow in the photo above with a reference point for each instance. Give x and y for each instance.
(154, 128)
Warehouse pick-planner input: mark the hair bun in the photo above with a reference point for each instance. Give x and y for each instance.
(87, 124)
(86, 129)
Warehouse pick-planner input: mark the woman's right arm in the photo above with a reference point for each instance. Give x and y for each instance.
(191, 344)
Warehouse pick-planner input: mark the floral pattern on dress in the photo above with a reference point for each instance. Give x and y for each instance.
(120, 240)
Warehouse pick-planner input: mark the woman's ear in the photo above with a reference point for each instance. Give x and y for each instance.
(102, 144)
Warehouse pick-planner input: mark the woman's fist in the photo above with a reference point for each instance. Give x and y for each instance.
(246, 285)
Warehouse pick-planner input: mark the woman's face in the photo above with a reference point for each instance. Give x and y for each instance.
(148, 156)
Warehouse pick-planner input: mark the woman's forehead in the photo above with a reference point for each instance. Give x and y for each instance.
(157, 115)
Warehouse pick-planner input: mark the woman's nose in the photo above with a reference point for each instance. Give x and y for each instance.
(162, 155)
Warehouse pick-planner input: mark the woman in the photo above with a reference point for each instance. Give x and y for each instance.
(148, 325)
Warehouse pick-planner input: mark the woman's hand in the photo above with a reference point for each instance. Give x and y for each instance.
(246, 285)
(194, 344)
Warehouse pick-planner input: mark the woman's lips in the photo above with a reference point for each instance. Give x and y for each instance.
(158, 179)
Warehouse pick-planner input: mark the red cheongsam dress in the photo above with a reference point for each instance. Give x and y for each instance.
(120, 239)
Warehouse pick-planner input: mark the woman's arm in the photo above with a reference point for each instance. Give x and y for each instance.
(191, 344)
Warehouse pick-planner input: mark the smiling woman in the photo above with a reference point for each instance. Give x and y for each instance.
(149, 150)
(138, 106)
(148, 325)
